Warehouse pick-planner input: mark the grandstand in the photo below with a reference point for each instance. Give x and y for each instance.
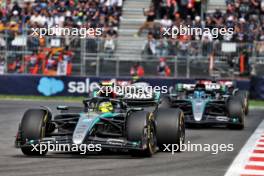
(118, 47)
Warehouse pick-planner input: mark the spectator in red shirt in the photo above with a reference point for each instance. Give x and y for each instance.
(163, 69)
(137, 70)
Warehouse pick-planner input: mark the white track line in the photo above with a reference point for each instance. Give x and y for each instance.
(242, 159)
(251, 172)
(256, 163)
(256, 155)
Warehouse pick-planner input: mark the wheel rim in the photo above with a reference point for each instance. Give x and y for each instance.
(182, 130)
(152, 141)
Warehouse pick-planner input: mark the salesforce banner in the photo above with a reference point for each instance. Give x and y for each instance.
(74, 86)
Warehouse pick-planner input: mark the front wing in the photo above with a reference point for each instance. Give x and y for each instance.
(110, 143)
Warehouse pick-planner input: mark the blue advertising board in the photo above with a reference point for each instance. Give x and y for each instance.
(257, 87)
(74, 86)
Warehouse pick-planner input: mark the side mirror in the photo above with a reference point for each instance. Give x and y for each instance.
(62, 108)
(225, 96)
(137, 109)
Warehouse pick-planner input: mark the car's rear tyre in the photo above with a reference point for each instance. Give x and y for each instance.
(243, 95)
(236, 112)
(33, 127)
(170, 127)
(165, 102)
(140, 127)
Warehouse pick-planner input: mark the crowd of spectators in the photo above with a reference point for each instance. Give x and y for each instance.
(18, 18)
(245, 17)
(48, 61)
(48, 13)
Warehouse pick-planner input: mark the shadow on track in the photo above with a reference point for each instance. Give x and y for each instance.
(76, 155)
(209, 127)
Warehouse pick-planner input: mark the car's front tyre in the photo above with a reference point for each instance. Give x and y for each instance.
(33, 128)
(170, 127)
(140, 127)
(236, 113)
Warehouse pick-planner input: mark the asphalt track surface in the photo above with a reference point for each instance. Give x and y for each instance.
(13, 162)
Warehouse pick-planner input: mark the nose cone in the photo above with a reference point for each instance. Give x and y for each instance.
(82, 128)
(198, 109)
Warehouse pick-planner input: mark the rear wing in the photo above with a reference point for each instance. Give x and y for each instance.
(221, 82)
(191, 87)
(141, 103)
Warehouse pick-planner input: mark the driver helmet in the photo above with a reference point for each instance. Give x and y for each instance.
(199, 94)
(105, 107)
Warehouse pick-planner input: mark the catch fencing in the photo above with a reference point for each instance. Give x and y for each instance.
(91, 57)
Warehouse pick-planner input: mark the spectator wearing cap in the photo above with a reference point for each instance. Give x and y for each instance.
(16, 8)
(15, 17)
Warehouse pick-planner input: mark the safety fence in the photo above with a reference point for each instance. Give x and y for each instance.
(96, 57)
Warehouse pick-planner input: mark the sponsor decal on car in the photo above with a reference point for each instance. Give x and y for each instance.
(222, 118)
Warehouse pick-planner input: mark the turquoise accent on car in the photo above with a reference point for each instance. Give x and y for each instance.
(94, 93)
(136, 143)
(198, 110)
(198, 105)
(97, 119)
(235, 120)
(179, 87)
(86, 123)
(157, 96)
(108, 115)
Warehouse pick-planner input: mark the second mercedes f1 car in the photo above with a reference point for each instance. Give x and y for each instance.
(203, 104)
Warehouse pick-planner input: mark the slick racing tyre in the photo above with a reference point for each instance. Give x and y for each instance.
(165, 102)
(236, 113)
(140, 127)
(33, 127)
(243, 95)
(170, 127)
